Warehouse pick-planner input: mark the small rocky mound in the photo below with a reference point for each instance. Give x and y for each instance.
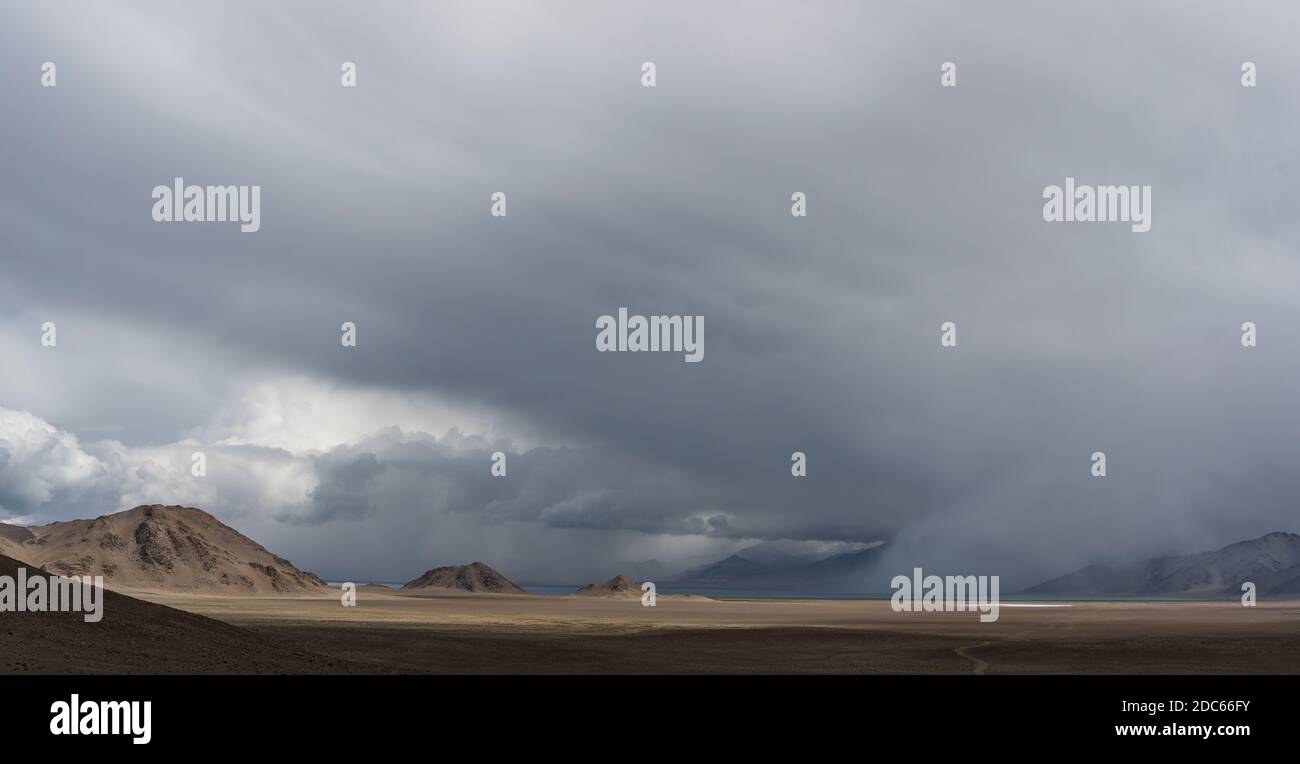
(475, 577)
(618, 586)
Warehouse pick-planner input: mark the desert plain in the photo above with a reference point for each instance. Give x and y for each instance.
(390, 632)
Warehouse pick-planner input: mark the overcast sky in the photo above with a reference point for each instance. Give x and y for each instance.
(477, 333)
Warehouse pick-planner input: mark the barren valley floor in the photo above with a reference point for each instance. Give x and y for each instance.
(390, 633)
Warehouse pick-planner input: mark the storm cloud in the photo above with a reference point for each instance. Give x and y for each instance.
(476, 334)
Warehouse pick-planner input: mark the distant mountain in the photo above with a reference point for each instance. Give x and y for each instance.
(1271, 562)
(780, 571)
(723, 573)
(154, 547)
(475, 577)
(618, 586)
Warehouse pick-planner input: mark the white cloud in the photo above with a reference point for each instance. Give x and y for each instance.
(40, 463)
(303, 415)
(48, 474)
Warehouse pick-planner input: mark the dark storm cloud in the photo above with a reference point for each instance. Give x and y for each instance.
(821, 333)
(554, 487)
(346, 487)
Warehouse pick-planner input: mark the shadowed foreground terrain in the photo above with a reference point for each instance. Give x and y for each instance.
(137, 637)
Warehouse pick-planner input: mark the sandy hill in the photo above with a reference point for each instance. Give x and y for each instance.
(475, 577)
(12, 538)
(178, 549)
(618, 586)
(15, 533)
(138, 637)
(1271, 562)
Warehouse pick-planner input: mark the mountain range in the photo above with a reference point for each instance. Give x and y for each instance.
(1271, 562)
(184, 549)
(766, 568)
